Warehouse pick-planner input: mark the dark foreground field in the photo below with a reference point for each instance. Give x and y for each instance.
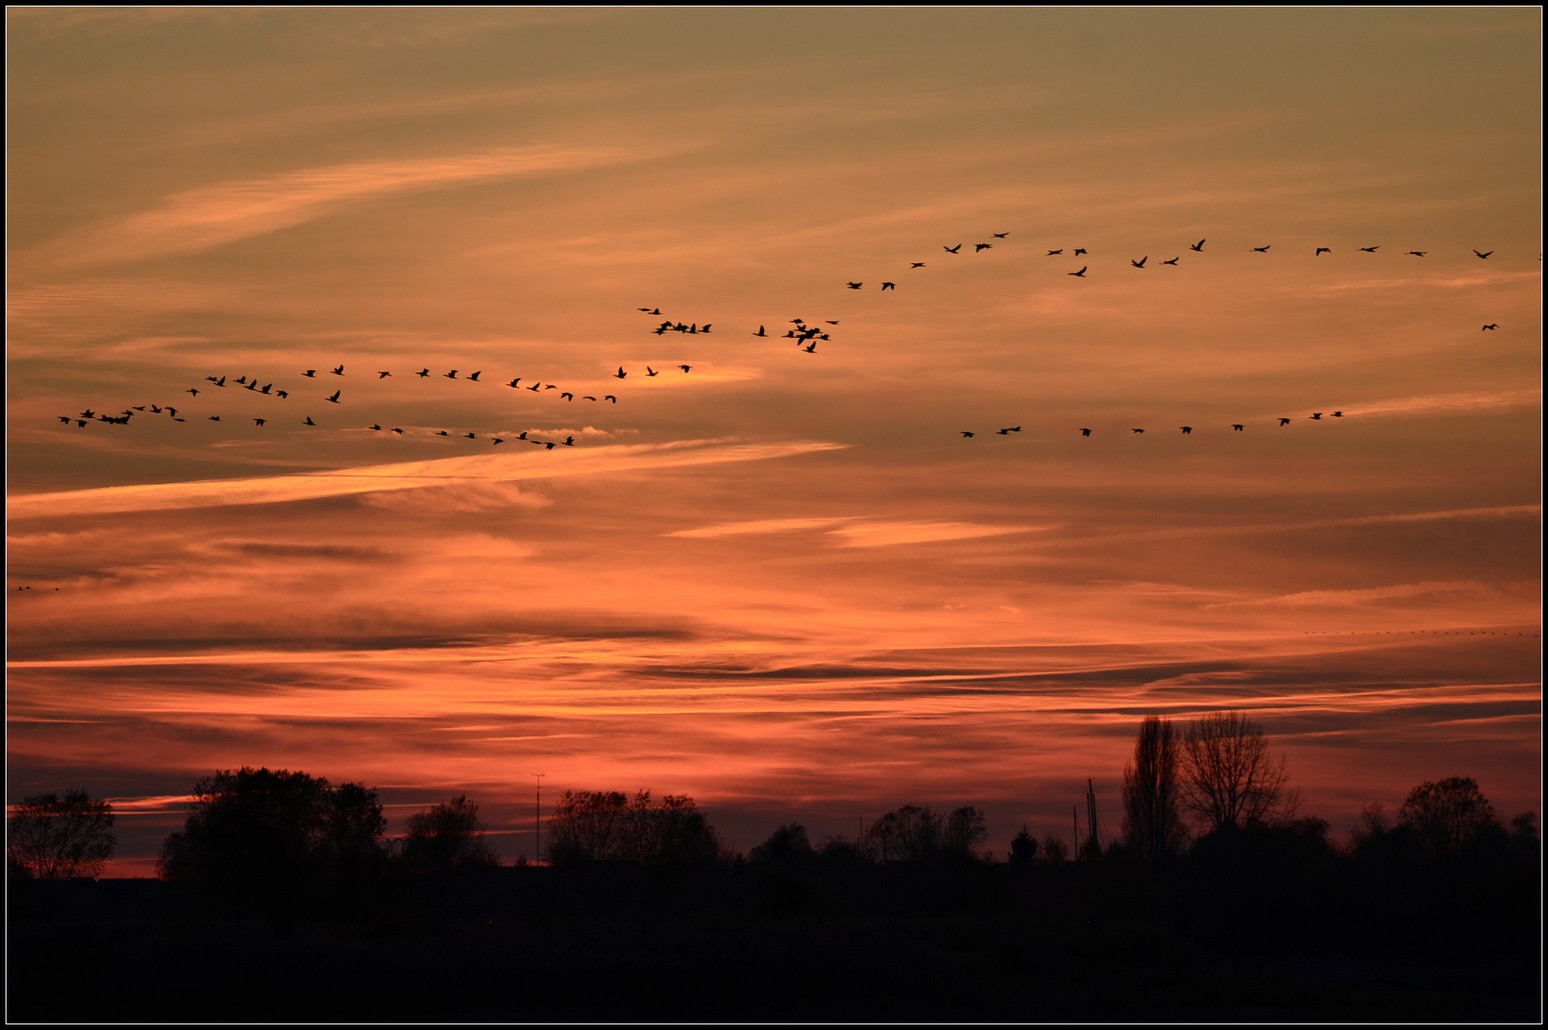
(1065, 943)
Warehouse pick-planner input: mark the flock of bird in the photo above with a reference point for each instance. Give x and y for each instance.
(805, 337)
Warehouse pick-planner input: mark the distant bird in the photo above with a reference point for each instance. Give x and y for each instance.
(1004, 432)
(193, 391)
(1085, 432)
(1000, 235)
(1137, 430)
(917, 264)
(310, 373)
(610, 397)
(1197, 246)
(855, 286)
(686, 368)
(704, 328)
(569, 441)
(811, 348)
(760, 332)
(1173, 261)
(1284, 421)
(1186, 430)
(1262, 250)
(951, 250)
(1316, 416)
(395, 429)
(1080, 274)
(889, 286)
(213, 418)
(474, 377)
(471, 436)
(650, 371)
(422, 373)
(1492, 325)
(383, 375)
(513, 382)
(281, 394)
(376, 426)
(1338, 414)
(309, 421)
(1370, 250)
(981, 246)
(339, 371)
(258, 421)
(335, 397)
(1238, 426)
(967, 434)
(1141, 262)
(442, 432)
(1079, 251)
(499, 440)
(1483, 254)
(567, 396)
(620, 373)
(1051, 253)
(1322, 250)
(452, 374)
(1418, 253)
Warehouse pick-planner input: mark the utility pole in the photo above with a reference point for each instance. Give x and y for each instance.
(1091, 819)
(537, 822)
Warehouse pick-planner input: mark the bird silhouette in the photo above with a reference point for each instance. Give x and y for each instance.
(981, 246)
(452, 374)
(1370, 250)
(967, 434)
(811, 348)
(1173, 261)
(951, 250)
(567, 396)
(610, 398)
(1197, 246)
(760, 332)
(1316, 416)
(1186, 429)
(1080, 274)
(1137, 430)
(513, 383)
(569, 441)
(1079, 251)
(1322, 250)
(309, 421)
(339, 371)
(1000, 235)
(620, 373)
(1085, 432)
(1141, 262)
(383, 375)
(917, 264)
(650, 371)
(855, 286)
(1492, 325)
(1483, 254)
(1338, 414)
(310, 373)
(1418, 253)
(376, 426)
(335, 397)
(1284, 421)
(1262, 250)
(1238, 426)
(422, 373)
(259, 421)
(474, 377)
(686, 368)
(1051, 253)
(889, 286)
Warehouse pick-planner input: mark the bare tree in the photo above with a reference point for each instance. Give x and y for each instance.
(447, 837)
(49, 837)
(1151, 821)
(1228, 777)
(1449, 815)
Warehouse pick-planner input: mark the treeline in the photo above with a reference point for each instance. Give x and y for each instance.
(1186, 790)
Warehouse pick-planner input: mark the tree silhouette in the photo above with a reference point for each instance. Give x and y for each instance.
(787, 845)
(54, 837)
(1151, 823)
(258, 828)
(610, 826)
(915, 834)
(445, 838)
(1023, 849)
(1448, 816)
(1228, 777)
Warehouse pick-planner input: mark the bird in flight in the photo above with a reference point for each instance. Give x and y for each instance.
(1186, 429)
(620, 373)
(1492, 325)
(310, 373)
(335, 397)
(760, 332)
(1238, 426)
(1370, 250)
(951, 250)
(1137, 430)
(1051, 253)
(1262, 250)
(1173, 261)
(1079, 251)
(1001, 235)
(1284, 421)
(916, 264)
(855, 286)
(889, 286)
(383, 375)
(1323, 250)
(967, 434)
(981, 246)
(1141, 262)
(686, 368)
(309, 421)
(650, 371)
(1316, 416)
(1483, 254)
(258, 421)
(339, 371)
(422, 373)
(1085, 432)
(474, 377)
(1080, 274)
(1418, 253)
(452, 374)
(1197, 246)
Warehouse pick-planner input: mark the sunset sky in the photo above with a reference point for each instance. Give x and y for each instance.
(782, 581)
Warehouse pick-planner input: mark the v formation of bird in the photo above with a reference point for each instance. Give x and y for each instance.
(805, 336)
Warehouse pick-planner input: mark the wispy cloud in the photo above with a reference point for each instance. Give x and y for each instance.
(223, 213)
(465, 471)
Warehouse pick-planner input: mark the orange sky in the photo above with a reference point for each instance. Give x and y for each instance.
(782, 581)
